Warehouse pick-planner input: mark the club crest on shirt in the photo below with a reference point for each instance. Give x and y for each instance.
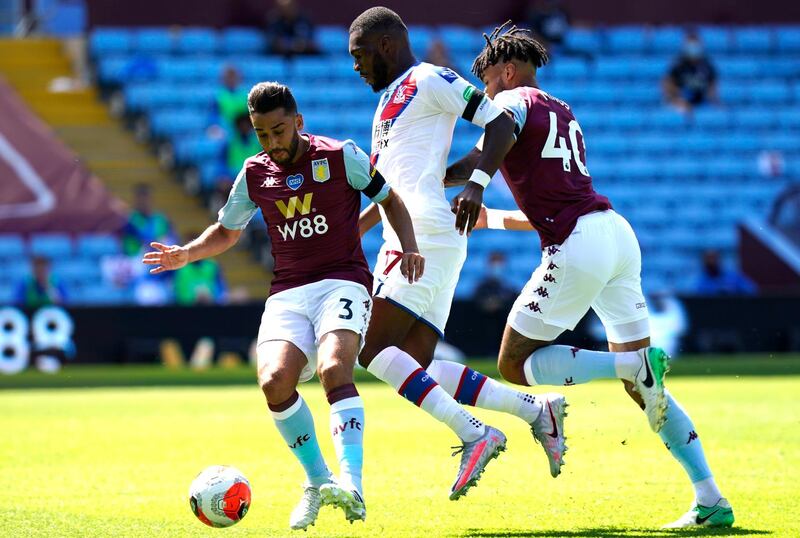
(295, 181)
(320, 170)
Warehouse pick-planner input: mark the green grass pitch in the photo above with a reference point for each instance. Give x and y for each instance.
(118, 461)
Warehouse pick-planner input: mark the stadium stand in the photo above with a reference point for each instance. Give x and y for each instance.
(695, 176)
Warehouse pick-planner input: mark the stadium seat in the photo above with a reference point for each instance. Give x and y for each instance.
(461, 40)
(582, 40)
(787, 39)
(753, 39)
(11, 247)
(51, 245)
(105, 41)
(8, 294)
(738, 67)
(80, 271)
(421, 38)
(627, 40)
(197, 41)
(235, 40)
(12, 271)
(711, 118)
(715, 39)
(667, 39)
(154, 40)
(96, 245)
(332, 39)
(568, 68)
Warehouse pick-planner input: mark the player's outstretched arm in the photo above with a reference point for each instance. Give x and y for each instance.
(498, 140)
(457, 174)
(497, 219)
(412, 265)
(215, 240)
(368, 219)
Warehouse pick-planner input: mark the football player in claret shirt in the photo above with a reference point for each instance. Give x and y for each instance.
(590, 259)
(309, 190)
(412, 132)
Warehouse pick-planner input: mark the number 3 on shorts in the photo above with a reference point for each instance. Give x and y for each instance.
(347, 313)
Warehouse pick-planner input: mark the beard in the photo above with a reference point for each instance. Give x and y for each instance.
(291, 151)
(380, 74)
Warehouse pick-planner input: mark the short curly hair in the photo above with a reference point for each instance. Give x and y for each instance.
(378, 19)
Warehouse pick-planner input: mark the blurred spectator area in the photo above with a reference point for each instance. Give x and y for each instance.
(683, 180)
(76, 263)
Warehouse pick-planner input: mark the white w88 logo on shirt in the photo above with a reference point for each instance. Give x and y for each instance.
(305, 227)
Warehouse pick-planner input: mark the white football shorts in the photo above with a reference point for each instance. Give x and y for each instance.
(304, 314)
(429, 299)
(599, 267)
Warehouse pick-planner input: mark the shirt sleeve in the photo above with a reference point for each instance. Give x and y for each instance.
(450, 93)
(361, 175)
(512, 102)
(239, 208)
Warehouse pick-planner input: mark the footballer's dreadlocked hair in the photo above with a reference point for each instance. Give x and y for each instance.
(513, 43)
(378, 19)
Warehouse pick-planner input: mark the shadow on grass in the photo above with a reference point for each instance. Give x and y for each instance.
(610, 532)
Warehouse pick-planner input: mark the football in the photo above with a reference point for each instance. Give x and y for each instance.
(220, 496)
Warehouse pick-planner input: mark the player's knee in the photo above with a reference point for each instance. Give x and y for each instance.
(276, 385)
(366, 356)
(335, 372)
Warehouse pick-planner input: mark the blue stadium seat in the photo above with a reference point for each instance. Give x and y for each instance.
(332, 39)
(789, 117)
(753, 39)
(613, 67)
(197, 41)
(105, 41)
(236, 40)
(770, 92)
(51, 245)
(96, 245)
(667, 39)
(8, 294)
(568, 68)
(154, 40)
(715, 39)
(77, 271)
(257, 68)
(666, 118)
(711, 118)
(100, 295)
(461, 40)
(12, 271)
(627, 40)
(421, 38)
(582, 40)
(111, 69)
(11, 247)
(755, 118)
(738, 67)
(787, 38)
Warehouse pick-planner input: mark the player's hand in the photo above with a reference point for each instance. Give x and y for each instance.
(412, 265)
(482, 223)
(467, 207)
(166, 258)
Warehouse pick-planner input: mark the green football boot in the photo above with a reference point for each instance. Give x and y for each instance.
(719, 515)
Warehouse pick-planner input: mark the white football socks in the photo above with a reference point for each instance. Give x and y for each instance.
(470, 387)
(403, 372)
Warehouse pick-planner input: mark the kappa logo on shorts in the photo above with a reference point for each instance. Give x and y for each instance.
(552, 250)
(542, 291)
(552, 266)
(549, 278)
(692, 436)
(534, 307)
